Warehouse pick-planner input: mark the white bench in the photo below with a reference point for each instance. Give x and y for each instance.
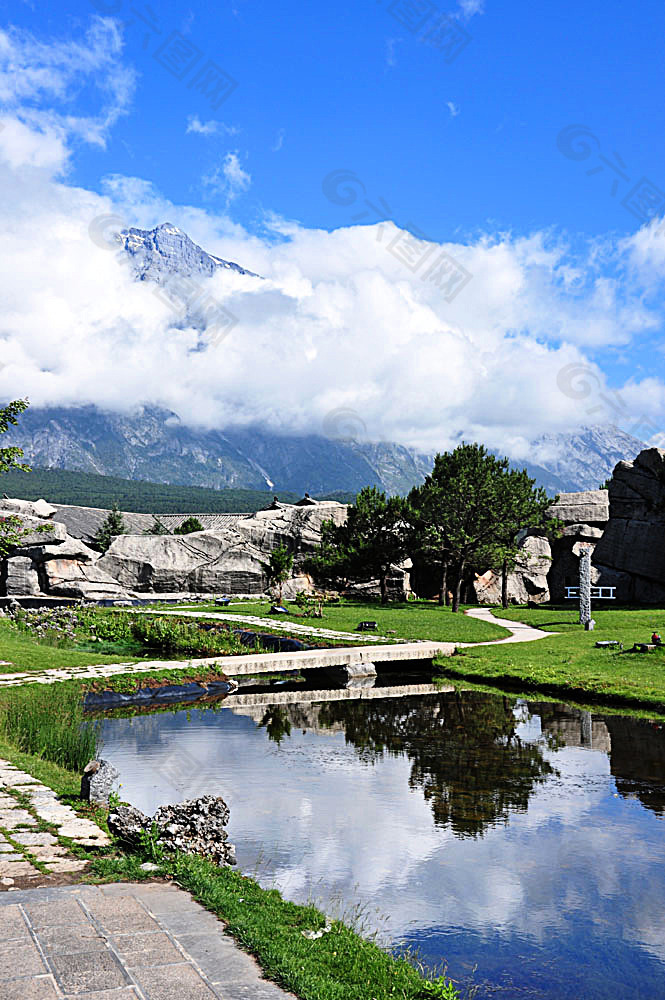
(602, 593)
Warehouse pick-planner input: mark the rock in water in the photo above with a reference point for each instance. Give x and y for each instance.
(97, 782)
(194, 827)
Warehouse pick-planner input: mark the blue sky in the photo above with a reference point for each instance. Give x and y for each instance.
(350, 86)
(336, 117)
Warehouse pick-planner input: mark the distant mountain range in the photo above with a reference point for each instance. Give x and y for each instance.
(153, 445)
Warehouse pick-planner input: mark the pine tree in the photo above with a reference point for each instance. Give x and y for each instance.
(112, 525)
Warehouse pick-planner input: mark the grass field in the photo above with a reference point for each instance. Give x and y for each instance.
(568, 664)
(412, 620)
(25, 653)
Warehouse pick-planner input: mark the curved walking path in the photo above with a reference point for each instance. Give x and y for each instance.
(249, 663)
(520, 631)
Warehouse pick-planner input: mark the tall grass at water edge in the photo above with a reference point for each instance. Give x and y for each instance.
(49, 723)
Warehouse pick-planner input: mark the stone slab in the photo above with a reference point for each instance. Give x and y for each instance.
(111, 943)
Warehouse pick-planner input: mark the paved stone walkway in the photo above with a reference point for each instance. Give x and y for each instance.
(21, 840)
(520, 632)
(274, 624)
(121, 941)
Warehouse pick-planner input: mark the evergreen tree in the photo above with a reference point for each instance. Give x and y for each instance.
(112, 525)
(157, 528)
(189, 525)
(373, 538)
(9, 457)
(279, 568)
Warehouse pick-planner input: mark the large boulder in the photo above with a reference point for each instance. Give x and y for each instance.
(30, 508)
(195, 826)
(74, 578)
(206, 561)
(527, 582)
(20, 577)
(231, 559)
(37, 530)
(586, 507)
(633, 543)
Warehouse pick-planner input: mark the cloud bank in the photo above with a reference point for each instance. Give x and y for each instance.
(424, 341)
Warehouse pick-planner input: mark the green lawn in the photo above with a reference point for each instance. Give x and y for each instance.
(25, 653)
(412, 620)
(568, 664)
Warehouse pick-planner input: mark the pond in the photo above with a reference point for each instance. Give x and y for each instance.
(521, 843)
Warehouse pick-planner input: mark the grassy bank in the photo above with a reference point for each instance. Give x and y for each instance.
(68, 637)
(408, 620)
(568, 665)
(339, 965)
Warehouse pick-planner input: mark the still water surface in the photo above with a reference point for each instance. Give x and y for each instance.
(525, 840)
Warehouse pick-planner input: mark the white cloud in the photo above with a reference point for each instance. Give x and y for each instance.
(453, 108)
(279, 141)
(41, 82)
(339, 321)
(212, 127)
(229, 179)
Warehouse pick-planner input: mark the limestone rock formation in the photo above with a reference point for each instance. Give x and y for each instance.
(232, 559)
(527, 582)
(49, 561)
(633, 543)
(195, 826)
(587, 507)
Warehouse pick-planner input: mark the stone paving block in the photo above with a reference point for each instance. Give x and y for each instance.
(6, 848)
(123, 915)
(19, 959)
(197, 922)
(35, 839)
(62, 912)
(63, 865)
(251, 991)
(16, 869)
(69, 939)
(248, 991)
(49, 853)
(11, 818)
(154, 948)
(84, 972)
(219, 963)
(173, 982)
(12, 924)
(123, 993)
(37, 988)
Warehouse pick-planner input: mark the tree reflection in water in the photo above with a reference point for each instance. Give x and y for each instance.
(465, 753)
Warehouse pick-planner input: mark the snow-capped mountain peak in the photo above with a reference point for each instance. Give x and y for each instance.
(157, 254)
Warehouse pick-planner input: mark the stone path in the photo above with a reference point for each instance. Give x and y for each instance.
(520, 632)
(250, 663)
(121, 941)
(274, 624)
(22, 842)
